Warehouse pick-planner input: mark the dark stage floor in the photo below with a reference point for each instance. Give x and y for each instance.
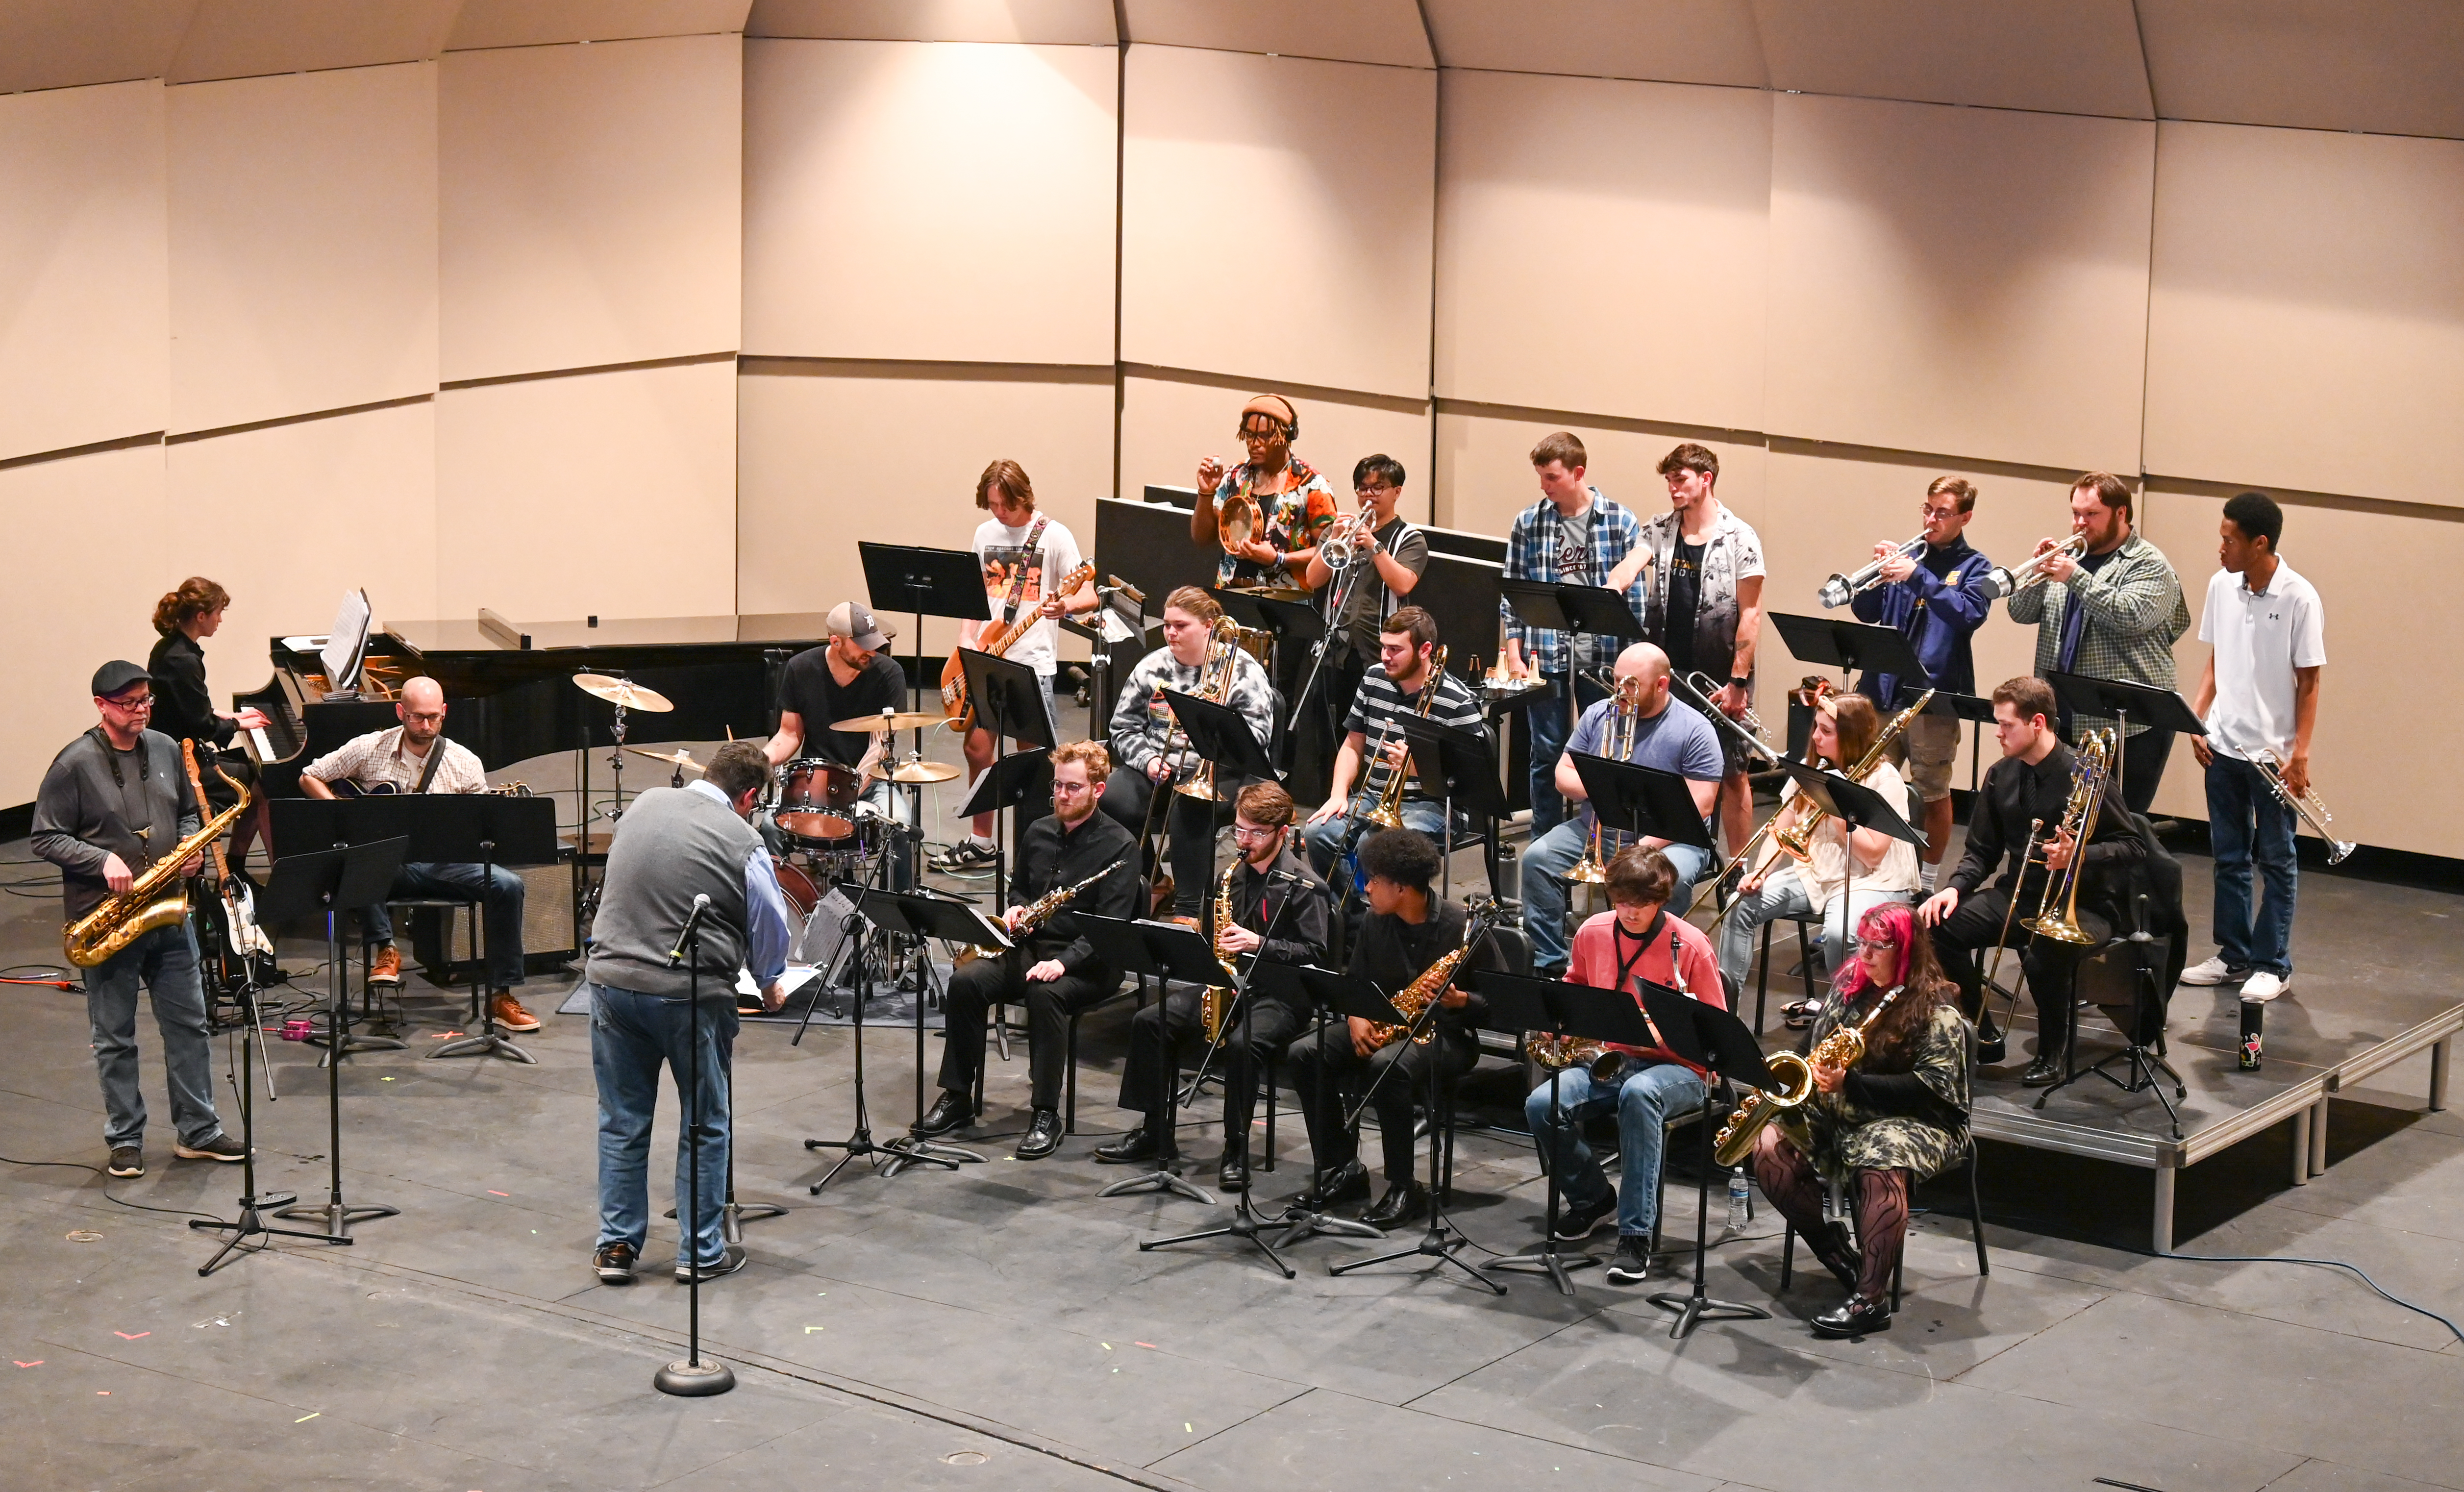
(967, 1329)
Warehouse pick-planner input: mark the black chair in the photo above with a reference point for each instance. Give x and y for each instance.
(1806, 923)
(997, 1015)
(371, 1003)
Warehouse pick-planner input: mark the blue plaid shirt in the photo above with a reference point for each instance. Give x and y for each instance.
(1531, 554)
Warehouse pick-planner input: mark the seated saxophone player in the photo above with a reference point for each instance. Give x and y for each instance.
(1878, 1126)
(1843, 873)
(1397, 685)
(2022, 803)
(1408, 929)
(114, 802)
(1268, 890)
(414, 757)
(1155, 756)
(1638, 939)
(1054, 970)
(1672, 740)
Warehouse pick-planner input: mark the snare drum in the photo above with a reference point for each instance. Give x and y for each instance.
(819, 783)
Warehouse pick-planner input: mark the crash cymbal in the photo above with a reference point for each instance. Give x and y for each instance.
(1282, 593)
(621, 691)
(925, 772)
(900, 720)
(674, 758)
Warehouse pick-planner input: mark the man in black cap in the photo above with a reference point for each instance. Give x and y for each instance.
(115, 801)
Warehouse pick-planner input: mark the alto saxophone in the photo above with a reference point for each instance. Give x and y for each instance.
(1785, 1105)
(1435, 979)
(1798, 838)
(1216, 1003)
(125, 917)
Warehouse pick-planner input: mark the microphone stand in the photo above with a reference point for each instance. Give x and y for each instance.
(693, 1377)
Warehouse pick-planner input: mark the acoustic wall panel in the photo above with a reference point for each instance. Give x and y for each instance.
(1085, 22)
(84, 271)
(289, 517)
(610, 495)
(1970, 280)
(1276, 218)
(303, 243)
(2067, 56)
(66, 43)
(254, 38)
(1603, 246)
(593, 204)
(65, 621)
(2306, 321)
(2386, 66)
(1168, 425)
(902, 447)
(539, 23)
(949, 202)
(1364, 30)
(1678, 41)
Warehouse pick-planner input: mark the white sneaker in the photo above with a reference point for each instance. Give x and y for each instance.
(2212, 971)
(2262, 986)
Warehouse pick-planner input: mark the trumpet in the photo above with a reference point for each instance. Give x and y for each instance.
(1840, 589)
(1348, 542)
(2313, 811)
(2009, 582)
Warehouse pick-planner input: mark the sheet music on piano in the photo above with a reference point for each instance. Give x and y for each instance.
(346, 646)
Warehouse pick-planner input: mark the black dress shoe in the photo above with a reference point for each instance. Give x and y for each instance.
(1232, 1174)
(1131, 1149)
(1404, 1203)
(948, 1112)
(1042, 1135)
(1854, 1316)
(1348, 1182)
(2045, 1072)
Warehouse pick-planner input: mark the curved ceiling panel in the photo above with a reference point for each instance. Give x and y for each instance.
(1057, 22)
(1671, 41)
(1363, 30)
(64, 43)
(538, 23)
(2386, 67)
(2063, 57)
(250, 38)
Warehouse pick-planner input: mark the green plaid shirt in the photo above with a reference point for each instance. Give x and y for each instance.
(2135, 614)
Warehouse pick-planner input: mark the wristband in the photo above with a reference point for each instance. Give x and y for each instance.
(1737, 681)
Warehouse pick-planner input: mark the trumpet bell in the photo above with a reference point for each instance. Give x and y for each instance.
(1835, 593)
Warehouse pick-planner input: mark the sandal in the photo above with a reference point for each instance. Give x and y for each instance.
(1798, 1015)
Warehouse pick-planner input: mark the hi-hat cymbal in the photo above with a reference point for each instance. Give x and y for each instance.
(899, 720)
(621, 691)
(1281, 593)
(674, 758)
(925, 772)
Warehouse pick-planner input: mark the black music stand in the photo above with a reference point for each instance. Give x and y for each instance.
(922, 582)
(1629, 799)
(328, 882)
(505, 831)
(1284, 981)
(1851, 646)
(2157, 709)
(1362, 998)
(1560, 1008)
(1163, 951)
(925, 914)
(1009, 702)
(1719, 1044)
(1012, 779)
(1594, 610)
(1464, 764)
(1218, 734)
(1292, 624)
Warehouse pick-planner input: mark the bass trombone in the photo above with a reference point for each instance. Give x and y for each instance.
(1838, 590)
(2313, 811)
(2011, 582)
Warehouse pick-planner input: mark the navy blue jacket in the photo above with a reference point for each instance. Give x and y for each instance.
(1936, 608)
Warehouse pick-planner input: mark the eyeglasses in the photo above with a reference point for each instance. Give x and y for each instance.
(1242, 833)
(1071, 788)
(1379, 490)
(137, 706)
(1876, 945)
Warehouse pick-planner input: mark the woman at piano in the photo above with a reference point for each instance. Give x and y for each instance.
(183, 708)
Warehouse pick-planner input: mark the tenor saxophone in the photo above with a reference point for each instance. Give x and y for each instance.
(125, 917)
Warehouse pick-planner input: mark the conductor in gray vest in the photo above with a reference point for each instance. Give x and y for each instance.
(674, 846)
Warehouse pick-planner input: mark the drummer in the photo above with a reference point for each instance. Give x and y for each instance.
(853, 674)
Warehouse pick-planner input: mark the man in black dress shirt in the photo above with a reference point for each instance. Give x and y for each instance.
(1272, 891)
(1054, 970)
(1408, 929)
(2029, 786)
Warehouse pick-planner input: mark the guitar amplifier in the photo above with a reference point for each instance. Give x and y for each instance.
(548, 928)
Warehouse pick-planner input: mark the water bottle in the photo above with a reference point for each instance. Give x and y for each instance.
(1738, 1201)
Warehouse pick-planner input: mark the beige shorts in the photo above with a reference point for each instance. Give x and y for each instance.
(1925, 753)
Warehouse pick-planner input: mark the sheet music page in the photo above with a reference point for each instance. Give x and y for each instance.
(348, 641)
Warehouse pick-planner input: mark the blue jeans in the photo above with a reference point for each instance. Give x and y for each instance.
(1643, 1099)
(1544, 888)
(164, 961)
(632, 1035)
(1783, 895)
(499, 895)
(2247, 822)
(1550, 732)
(1325, 840)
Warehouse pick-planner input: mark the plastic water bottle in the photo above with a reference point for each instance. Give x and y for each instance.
(1738, 1201)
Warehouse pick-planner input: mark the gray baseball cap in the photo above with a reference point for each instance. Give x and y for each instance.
(855, 621)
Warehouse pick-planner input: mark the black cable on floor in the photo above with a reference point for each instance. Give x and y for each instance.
(80, 1165)
(2325, 1264)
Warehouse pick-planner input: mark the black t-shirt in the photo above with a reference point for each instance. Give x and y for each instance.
(1684, 600)
(812, 691)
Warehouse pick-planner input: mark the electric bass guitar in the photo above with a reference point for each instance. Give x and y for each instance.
(242, 953)
(998, 638)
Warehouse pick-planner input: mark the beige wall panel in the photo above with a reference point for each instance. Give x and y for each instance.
(84, 272)
(1087, 22)
(1335, 292)
(951, 202)
(1678, 41)
(63, 620)
(1366, 31)
(303, 243)
(830, 455)
(1167, 425)
(538, 23)
(289, 517)
(1640, 203)
(593, 204)
(606, 493)
(1969, 280)
(2371, 569)
(2070, 56)
(2306, 320)
(64, 43)
(2388, 66)
(250, 38)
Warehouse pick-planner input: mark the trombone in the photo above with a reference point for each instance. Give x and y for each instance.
(2312, 809)
(1838, 590)
(2011, 582)
(2090, 774)
(1593, 868)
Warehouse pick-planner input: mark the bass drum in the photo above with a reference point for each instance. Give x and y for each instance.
(819, 783)
(797, 886)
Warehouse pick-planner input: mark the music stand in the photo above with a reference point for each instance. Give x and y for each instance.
(1464, 764)
(922, 582)
(327, 882)
(1009, 703)
(1557, 1007)
(1362, 998)
(1717, 1042)
(2157, 709)
(1220, 735)
(1163, 951)
(1283, 981)
(1630, 799)
(1592, 610)
(1856, 806)
(1291, 623)
(506, 831)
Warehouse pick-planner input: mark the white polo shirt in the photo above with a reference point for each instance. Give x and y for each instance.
(2259, 639)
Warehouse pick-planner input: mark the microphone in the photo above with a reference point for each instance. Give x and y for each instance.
(684, 934)
(1295, 878)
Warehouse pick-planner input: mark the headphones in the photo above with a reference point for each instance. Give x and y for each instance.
(1291, 420)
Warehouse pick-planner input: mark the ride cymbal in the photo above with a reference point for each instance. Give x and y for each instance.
(622, 691)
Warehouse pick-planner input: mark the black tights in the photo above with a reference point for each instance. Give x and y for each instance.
(1881, 1198)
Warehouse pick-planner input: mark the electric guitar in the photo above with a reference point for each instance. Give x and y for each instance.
(998, 638)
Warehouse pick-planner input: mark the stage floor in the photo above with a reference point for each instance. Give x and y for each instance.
(998, 1326)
